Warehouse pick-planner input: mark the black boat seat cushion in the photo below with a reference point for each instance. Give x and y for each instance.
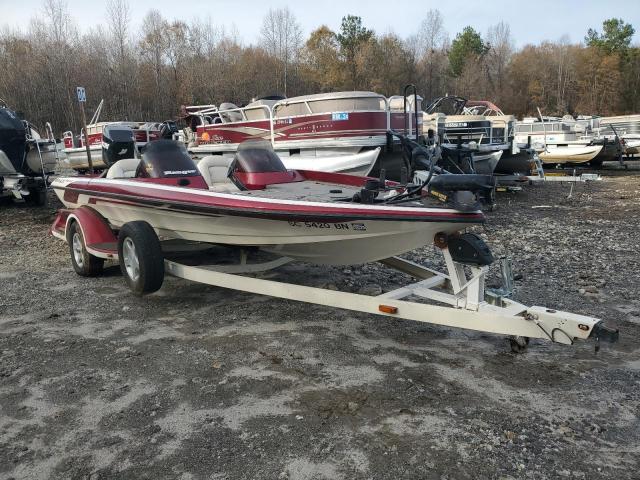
(215, 171)
(125, 168)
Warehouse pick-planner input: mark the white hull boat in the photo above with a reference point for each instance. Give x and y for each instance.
(347, 160)
(568, 153)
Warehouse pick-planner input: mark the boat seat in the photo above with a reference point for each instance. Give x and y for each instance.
(125, 168)
(215, 171)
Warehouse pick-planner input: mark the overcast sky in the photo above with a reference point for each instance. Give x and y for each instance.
(531, 21)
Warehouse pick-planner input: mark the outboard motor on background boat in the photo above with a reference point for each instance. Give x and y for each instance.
(118, 142)
(167, 129)
(13, 140)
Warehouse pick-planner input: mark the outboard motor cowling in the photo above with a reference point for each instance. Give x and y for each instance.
(167, 129)
(13, 141)
(118, 142)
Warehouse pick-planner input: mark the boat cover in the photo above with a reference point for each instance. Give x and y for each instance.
(12, 142)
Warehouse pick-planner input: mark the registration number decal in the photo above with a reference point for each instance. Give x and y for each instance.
(361, 227)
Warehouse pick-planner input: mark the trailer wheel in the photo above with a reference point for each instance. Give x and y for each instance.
(83, 262)
(141, 259)
(519, 344)
(37, 196)
(596, 163)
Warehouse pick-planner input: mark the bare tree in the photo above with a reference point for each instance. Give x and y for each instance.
(500, 50)
(564, 69)
(153, 46)
(431, 35)
(118, 18)
(428, 47)
(282, 38)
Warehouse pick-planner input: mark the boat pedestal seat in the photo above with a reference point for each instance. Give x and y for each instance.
(215, 171)
(125, 168)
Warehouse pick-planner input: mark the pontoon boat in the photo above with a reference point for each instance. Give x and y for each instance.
(331, 132)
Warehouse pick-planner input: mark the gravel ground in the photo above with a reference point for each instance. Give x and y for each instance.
(196, 382)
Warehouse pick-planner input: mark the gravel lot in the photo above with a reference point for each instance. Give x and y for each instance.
(196, 382)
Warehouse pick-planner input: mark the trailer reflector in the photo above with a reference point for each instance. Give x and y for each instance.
(387, 309)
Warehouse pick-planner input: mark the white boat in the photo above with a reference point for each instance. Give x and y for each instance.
(315, 216)
(559, 141)
(477, 125)
(569, 153)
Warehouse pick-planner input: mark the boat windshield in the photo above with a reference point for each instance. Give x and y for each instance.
(166, 159)
(257, 157)
(448, 105)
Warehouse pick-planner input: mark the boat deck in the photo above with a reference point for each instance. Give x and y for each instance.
(309, 191)
(314, 191)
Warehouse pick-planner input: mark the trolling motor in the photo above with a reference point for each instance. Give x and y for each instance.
(118, 142)
(466, 192)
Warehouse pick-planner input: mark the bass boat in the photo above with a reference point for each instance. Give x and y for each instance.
(321, 217)
(147, 212)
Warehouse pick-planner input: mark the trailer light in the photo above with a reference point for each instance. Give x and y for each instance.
(583, 327)
(387, 309)
(440, 240)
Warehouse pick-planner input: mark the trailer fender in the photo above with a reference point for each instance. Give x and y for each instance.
(99, 238)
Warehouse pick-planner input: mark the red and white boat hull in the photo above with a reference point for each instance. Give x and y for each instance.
(337, 234)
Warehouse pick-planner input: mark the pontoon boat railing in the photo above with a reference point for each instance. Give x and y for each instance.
(482, 135)
(203, 111)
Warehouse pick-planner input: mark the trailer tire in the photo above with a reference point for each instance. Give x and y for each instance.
(519, 344)
(37, 196)
(84, 264)
(141, 258)
(596, 163)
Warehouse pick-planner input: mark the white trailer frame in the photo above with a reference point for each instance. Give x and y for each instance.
(469, 306)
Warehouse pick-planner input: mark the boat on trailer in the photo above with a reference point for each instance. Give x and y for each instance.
(331, 132)
(628, 128)
(561, 141)
(146, 212)
(480, 127)
(26, 158)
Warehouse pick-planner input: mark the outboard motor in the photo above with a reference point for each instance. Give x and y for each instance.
(13, 140)
(118, 142)
(167, 129)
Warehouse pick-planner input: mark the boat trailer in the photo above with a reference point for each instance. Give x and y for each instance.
(461, 297)
(469, 305)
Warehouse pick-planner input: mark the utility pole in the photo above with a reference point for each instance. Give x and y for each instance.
(82, 99)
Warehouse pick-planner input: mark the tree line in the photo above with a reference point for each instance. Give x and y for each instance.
(148, 73)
